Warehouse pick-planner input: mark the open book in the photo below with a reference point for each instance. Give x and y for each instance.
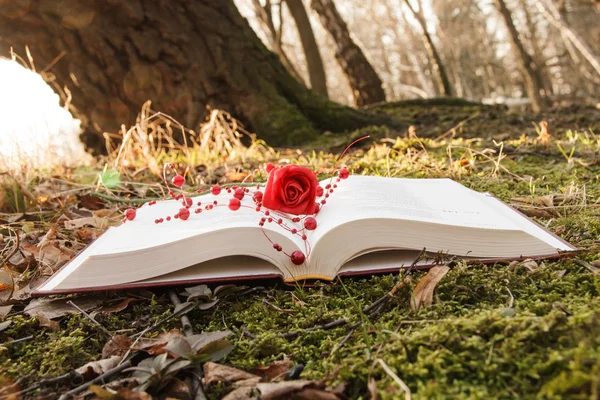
(370, 224)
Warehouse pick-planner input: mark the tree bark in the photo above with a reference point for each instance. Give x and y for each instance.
(527, 65)
(445, 89)
(314, 62)
(265, 16)
(366, 85)
(184, 55)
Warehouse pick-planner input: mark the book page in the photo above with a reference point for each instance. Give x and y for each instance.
(439, 201)
(143, 232)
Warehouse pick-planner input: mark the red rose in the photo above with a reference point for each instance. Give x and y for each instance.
(291, 189)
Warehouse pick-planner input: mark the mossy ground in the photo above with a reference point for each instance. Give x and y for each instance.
(474, 341)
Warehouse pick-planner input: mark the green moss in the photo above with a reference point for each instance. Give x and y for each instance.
(470, 343)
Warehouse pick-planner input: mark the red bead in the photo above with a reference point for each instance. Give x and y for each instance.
(344, 173)
(199, 204)
(269, 167)
(215, 202)
(279, 221)
(179, 197)
(130, 214)
(239, 193)
(310, 223)
(270, 219)
(176, 216)
(319, 191)
(303, 237)
(198, 210)
(257, 196)
(169, 218)
(298, 257)
(317, 208)
(294, 231)
(323, 201)
(257, 208)
(267, 212)
(234, 204)
(215, 190)
(184, 214)
(178, 180)
(188, 202)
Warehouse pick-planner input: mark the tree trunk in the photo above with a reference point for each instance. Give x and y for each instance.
(366, 85)
(265, 16)
(184, 55)
(314, 63)
(445, 89)
(526, 63)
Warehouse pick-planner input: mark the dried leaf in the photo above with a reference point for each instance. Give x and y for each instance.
(90, 202)
(241, 393)
(116, 307)
(530, 265)
(48, 323)
(56, 308)
(276, 369)
(214, 372)
(121, 394)
(4, 310)
(51, 254)
(423, 294)
(294, 389)
(4, 325)
(118, 346)
(85, 235)
(155, 346)
(96, 222)
(95, 368)
(6, 281)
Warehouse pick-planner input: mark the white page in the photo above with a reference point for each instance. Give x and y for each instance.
(440, 201)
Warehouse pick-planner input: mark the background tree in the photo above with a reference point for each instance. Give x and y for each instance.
(183, 55)
(364, 81)
(316, 72)
(527, 65)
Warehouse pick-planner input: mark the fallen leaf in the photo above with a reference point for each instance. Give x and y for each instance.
(423, 294)
(121, 394)
(155, 345)
(117, 345)
(116, 307)
(96, 222)
(300, 389)
(95, 368)
(214, 372)
(241, 393)
(56, 308)
(85, 235)
(4, 310)
(6, 280)
(274, 370)
(51, 254)
(48, 323)
(4, 325)
(530, 265)
(90, 202)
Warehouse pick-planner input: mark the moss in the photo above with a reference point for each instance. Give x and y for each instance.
(470, 343)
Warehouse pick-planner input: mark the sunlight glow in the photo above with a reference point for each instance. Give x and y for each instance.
(36, 132)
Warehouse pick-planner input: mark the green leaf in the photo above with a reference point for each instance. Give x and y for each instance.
(110, 178)
(213, 351)
(178, 346)
(201, 340)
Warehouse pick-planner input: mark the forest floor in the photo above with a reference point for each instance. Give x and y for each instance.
(510, 330)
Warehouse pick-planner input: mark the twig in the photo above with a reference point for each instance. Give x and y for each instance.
(248, 333)
(23, 339)
(38, 385)
(371, 310)
(188, 330)
(88, 316)
(98, 379)
(396, 379)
